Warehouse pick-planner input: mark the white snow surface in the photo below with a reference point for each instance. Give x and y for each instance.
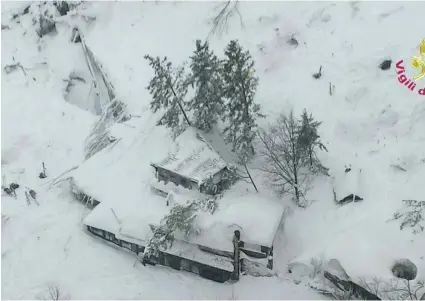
(371, 121)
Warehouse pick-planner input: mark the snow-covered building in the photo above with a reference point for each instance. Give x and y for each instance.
(119, 179)
(194, 164)
(211, 252)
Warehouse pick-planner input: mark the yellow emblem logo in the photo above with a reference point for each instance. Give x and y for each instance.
(418, 62)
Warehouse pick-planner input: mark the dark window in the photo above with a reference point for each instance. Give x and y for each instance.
(264, 249)
(213, 274)
(126, 245)
(109, 236)
(172, 261)
(134, 247)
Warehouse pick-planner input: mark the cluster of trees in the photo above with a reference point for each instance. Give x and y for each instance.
(224, 89)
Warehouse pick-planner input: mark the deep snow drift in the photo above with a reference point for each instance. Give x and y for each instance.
(371, 122)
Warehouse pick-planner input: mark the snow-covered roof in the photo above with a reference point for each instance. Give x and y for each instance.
(119, 177)
(255, 217)
(192, 157)
(192, 252)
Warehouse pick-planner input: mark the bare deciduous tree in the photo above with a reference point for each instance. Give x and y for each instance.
(220, 22)
(284, 159)
(53, 293)
(396, 289)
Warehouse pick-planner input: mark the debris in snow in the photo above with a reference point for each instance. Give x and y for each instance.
(62, 7)
(4, 27)
(413, 215)
(404, 269)
(43, 174)
(7, 190)
(346, 285)
(318, 74)
(293, 41)
(46, 26)
(331, 88)
(13, 187)
(32, 193)
(31, 196)
(10, 68)
(26, 10)
(350, 198)
(398, 167)
(76, 38)
(385, 65)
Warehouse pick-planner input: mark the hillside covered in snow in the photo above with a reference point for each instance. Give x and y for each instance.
(360, 221)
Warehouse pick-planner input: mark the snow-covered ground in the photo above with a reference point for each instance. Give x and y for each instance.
(371, 121)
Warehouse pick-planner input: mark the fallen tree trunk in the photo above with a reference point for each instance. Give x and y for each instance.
(350, 287)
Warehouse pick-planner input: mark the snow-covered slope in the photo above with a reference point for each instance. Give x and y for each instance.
(370, 121)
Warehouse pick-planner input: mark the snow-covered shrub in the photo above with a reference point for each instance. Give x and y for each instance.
(412, 215)
(395, 289)
(404, 269)
(52, 292)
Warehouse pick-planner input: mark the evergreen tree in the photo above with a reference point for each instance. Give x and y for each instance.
(309, 139)
(168, 90)
(206, 78)
(241, 110)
